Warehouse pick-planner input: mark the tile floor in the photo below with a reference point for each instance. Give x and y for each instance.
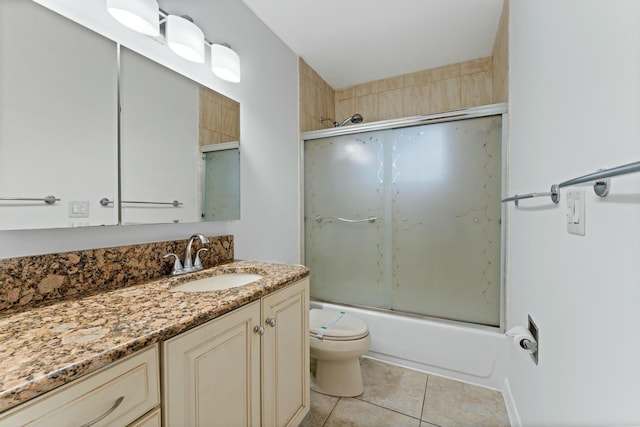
(399, 397)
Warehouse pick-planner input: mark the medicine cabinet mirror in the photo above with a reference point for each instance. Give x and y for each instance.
(68, 159)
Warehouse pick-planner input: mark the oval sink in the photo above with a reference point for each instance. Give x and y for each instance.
(216, 283)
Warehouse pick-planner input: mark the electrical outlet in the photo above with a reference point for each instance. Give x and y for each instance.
(533, 329)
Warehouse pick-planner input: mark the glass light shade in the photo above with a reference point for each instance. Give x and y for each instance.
(225, 63)
(138, 15)
(185, 39)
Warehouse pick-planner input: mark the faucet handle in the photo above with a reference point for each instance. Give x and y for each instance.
(198, 263)
(177, 265)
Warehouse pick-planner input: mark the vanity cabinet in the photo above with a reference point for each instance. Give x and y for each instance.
(249, 367)
(116, 395)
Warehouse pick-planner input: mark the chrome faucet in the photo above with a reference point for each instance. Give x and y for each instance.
(189, 264)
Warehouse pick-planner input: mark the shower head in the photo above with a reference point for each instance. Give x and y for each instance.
(356, 118)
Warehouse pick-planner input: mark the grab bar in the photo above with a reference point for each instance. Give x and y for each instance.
(107, 202)
(371, 219)
(603, 184)
(50, 200)
(554, 194)
(601, 187)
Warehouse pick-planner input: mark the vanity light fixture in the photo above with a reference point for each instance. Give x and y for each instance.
(184, 38)
(225, 62)
(139, 15)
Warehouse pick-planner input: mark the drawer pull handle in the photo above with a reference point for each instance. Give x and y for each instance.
(259, 330)
(106, 414)
(271, 322)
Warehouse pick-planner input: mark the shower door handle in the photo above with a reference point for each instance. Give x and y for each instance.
(371, 219)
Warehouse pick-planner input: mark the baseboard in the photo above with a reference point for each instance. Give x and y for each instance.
(512, 411)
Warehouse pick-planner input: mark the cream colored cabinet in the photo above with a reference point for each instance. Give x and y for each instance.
(116, 395)
(247, 368)
(211, 374)
(285, 356)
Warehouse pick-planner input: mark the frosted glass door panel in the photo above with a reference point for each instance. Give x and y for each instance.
(221, 189)
(344, 178)
(446, 220)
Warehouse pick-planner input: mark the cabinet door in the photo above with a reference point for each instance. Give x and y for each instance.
(212, 373)
(285, 363)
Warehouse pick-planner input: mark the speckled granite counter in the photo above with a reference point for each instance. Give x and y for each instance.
(45, 347)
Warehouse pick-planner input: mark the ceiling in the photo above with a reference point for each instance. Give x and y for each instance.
(355, 41)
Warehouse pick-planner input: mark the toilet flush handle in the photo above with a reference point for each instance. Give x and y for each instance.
(271, 322)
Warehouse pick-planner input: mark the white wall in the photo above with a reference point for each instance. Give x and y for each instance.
(575, 108)
(269, 129)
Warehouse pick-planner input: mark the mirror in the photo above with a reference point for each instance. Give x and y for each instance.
(59, 130)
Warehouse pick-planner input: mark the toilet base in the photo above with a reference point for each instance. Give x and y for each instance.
(340, 378)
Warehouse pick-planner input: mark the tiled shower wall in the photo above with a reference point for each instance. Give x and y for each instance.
(465, 84)
(501, 58)
(452, 87)
(316, 99)
(219, 118)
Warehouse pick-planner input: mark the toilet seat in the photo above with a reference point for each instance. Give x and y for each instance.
(345, 328)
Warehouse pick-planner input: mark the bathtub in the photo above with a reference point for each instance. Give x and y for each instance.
(468, 353)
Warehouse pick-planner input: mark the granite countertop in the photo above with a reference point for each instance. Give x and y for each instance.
(45, 347)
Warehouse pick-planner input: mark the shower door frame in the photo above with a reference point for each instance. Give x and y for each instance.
(449, 116)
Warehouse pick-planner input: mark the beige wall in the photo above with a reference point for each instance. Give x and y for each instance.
(316, 99)
(452, 87)
(219, 118)
(501, 58)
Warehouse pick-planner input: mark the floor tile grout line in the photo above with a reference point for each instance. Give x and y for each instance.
(424, 399)
(384, 407)
(332, 409)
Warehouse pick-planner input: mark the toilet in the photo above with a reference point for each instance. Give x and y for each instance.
(337, 340)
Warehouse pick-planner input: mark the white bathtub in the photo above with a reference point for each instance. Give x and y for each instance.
(471, 354)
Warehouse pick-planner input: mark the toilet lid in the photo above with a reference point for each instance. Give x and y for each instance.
(346, 327)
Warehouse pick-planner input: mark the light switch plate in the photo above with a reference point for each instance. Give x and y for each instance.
(575, 211)
(79, 209)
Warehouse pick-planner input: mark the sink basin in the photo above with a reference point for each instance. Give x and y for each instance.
(216, 283)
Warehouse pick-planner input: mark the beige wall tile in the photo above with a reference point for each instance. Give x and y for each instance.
(229, 123)
(209, 137)
(477, 89)
(328, 105)
(446, 72)
(417, 100)
(368, 106)
(347, 92)
(306, 124)
(418, 78)
(391, 83)
(307, 93)
(445, 95)
(367, 88)
(476, 66)
(303, 68)
(391, 104)
(501, 93)
(345, 108)
(317, 99)
(501, 57)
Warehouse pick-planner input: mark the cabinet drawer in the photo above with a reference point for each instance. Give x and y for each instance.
(152, 419)
(133, 382)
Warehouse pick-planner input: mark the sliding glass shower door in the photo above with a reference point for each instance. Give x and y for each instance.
(408, 219)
